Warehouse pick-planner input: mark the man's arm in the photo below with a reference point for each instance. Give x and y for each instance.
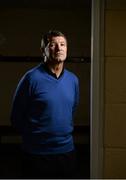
(76, 101)
(19, 110)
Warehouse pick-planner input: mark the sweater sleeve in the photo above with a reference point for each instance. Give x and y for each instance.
(20, 105)
(76, 100)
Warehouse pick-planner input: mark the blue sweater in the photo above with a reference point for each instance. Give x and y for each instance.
(43, 109)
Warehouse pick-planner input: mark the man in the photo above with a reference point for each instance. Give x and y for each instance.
(42, 111)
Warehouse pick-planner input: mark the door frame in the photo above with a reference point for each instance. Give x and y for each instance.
(97, 89)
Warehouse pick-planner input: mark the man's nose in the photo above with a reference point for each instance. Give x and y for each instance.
(58, 47)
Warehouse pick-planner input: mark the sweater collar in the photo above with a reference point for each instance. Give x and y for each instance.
(46, 68)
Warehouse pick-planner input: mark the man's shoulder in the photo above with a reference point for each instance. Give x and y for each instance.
(71, 74)
(32, 74)
(33, 71)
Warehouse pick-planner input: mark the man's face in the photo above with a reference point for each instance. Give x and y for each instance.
(56, 50)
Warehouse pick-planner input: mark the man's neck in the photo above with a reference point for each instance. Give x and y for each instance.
(56, 68)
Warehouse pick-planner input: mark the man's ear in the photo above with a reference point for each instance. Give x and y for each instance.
(42, 51)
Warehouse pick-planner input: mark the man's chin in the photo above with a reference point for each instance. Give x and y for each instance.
(59, 60)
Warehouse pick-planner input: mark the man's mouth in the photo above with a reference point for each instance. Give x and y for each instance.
(60, 53)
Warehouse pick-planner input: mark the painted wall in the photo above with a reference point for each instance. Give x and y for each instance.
(21, 29)
(115, 90)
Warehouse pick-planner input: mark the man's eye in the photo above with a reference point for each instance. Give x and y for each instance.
(52, 45)
(62, 44)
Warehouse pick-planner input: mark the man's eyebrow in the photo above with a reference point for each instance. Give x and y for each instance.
(56, 42)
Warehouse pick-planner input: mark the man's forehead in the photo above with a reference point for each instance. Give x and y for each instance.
(57, 38)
